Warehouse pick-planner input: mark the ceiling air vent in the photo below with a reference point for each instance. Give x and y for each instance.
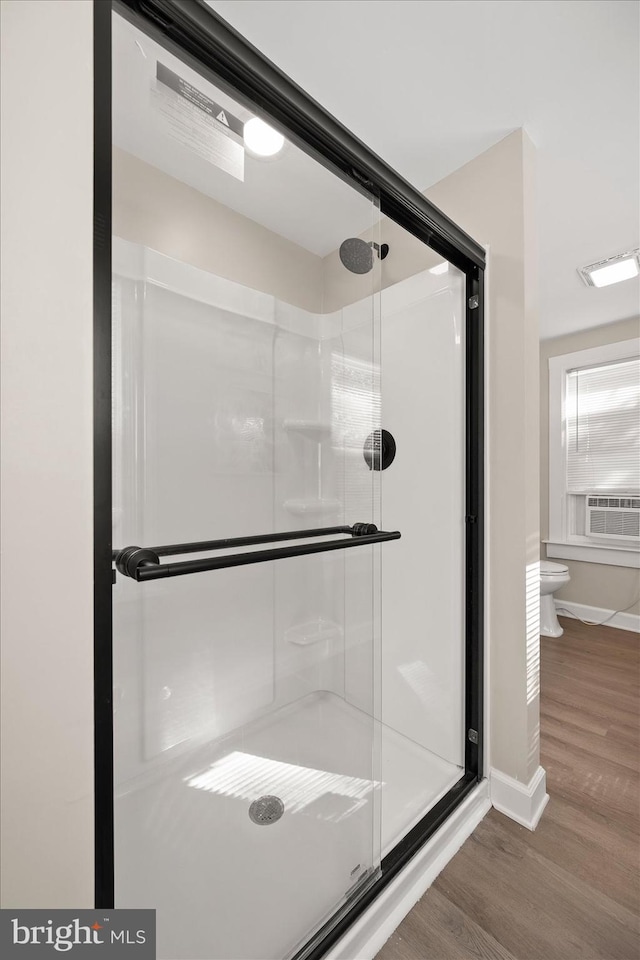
(613, 518)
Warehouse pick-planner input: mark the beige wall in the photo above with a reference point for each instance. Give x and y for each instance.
(47, 512)
(492, 198)
(594, 584)
(158, 211)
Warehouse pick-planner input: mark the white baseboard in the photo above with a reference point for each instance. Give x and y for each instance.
(522, 802)
(623, 621)
(368, 935)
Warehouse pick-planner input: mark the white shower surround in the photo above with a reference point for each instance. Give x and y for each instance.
(422, 670)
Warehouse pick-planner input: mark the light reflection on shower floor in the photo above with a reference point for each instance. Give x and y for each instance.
(225, 887)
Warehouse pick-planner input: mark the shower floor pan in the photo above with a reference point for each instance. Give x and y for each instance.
(232, 881)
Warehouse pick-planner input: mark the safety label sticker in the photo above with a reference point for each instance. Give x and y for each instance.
(199, 123)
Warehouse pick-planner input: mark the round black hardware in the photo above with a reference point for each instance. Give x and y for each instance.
(363, 529)
(130, 558)
(379, 450)
(358, 255)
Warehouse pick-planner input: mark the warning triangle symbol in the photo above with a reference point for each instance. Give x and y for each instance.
(222, 118)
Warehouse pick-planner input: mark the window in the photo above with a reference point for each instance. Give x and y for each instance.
(594, 455)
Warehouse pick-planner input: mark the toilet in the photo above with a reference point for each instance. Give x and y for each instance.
(552, 577)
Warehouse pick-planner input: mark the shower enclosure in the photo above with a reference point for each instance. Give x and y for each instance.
(289, 550)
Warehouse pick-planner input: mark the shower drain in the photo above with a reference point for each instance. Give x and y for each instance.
(266, 810)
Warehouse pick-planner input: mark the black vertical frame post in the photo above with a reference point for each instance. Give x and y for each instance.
(474, 539)
(103, 659)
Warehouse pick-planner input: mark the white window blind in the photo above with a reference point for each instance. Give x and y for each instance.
(603, 428)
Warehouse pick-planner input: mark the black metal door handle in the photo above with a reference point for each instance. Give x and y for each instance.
(143, 563)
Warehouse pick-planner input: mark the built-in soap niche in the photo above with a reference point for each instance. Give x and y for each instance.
(311, 657)
(311, 444)
(314, 631)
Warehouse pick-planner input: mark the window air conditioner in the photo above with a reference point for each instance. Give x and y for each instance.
(613, 518)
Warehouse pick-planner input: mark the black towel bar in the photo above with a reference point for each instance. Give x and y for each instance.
(143, 563)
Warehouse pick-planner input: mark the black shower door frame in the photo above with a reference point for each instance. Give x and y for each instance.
(192, 31)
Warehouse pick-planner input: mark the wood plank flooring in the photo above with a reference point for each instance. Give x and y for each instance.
(571, 890)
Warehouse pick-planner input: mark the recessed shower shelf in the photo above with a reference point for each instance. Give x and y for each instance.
(312, 429)
(312, 506)
(314, 631)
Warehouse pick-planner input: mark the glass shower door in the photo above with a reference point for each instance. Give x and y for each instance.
(246, 393)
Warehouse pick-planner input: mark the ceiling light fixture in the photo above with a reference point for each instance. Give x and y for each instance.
(624, 266)
(261, 139)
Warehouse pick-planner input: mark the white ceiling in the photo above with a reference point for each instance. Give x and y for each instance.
(429, 84)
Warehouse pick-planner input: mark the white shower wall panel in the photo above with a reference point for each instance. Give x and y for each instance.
(208, 380)
(205, 669)
(423, 496)
(207, 377)
(194, 461)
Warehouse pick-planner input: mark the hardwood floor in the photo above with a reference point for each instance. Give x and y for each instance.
(571, 890)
